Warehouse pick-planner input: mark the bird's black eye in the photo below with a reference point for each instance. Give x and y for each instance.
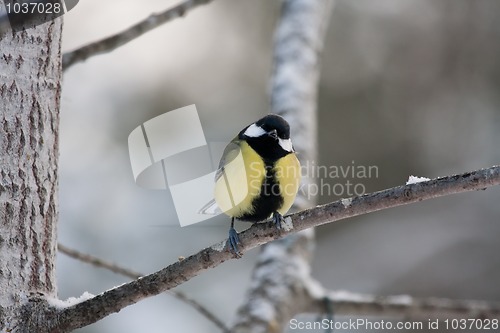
(273, 134)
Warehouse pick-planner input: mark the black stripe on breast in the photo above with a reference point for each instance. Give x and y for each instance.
(269, 200)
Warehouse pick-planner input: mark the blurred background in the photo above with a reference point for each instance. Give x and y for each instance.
(410, 87)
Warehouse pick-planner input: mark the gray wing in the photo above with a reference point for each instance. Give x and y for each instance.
(230, 153)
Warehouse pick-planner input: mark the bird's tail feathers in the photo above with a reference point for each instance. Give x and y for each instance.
(211, 208)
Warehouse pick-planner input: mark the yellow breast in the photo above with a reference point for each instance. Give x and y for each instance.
(242, 179)
(240, 182)
(287, 171)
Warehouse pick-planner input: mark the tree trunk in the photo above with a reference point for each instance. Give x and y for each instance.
(30, 90)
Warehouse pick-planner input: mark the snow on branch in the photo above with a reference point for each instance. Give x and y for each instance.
(113, 42)
(403, 306)
(282, 287)
(98, 262)
(111, 301)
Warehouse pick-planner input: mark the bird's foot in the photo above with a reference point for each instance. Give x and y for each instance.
(233, 241)
(277, 220)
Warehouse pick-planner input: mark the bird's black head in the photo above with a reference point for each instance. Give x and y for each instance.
(275, 122)
(269, 137)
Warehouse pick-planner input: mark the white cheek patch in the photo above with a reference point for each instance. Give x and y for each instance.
(286, 144)
(254, 131)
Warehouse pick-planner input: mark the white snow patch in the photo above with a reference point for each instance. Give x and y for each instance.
(264, 310)
(348, 296)
(343, 295)
(118, 286)
(314, 288)
(60, 304)
(219, 247)
(271, 252)
(400, 299)
(346, 202)
(287, 224)
(415, 179)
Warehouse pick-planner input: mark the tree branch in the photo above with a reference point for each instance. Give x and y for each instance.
(405, 306)
(114, 300)
(113, 42)
(282, 278)
(98, 262)
(282, 284)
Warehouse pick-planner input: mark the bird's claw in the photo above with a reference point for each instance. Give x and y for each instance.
(233, 241)
(277, 220)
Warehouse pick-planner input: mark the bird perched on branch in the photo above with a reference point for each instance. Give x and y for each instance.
(258, 175)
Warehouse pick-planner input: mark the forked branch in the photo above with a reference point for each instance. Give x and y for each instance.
(114, 300)
(101, 263)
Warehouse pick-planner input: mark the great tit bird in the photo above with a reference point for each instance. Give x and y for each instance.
(258, 175)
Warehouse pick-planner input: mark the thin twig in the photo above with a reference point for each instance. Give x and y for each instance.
(98, 262)
(113, 42)
(113, 300)
(404, 306)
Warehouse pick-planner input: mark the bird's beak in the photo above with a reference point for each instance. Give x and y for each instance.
(273, 134)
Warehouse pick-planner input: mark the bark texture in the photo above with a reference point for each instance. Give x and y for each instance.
(30, 87)
(93, 309)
